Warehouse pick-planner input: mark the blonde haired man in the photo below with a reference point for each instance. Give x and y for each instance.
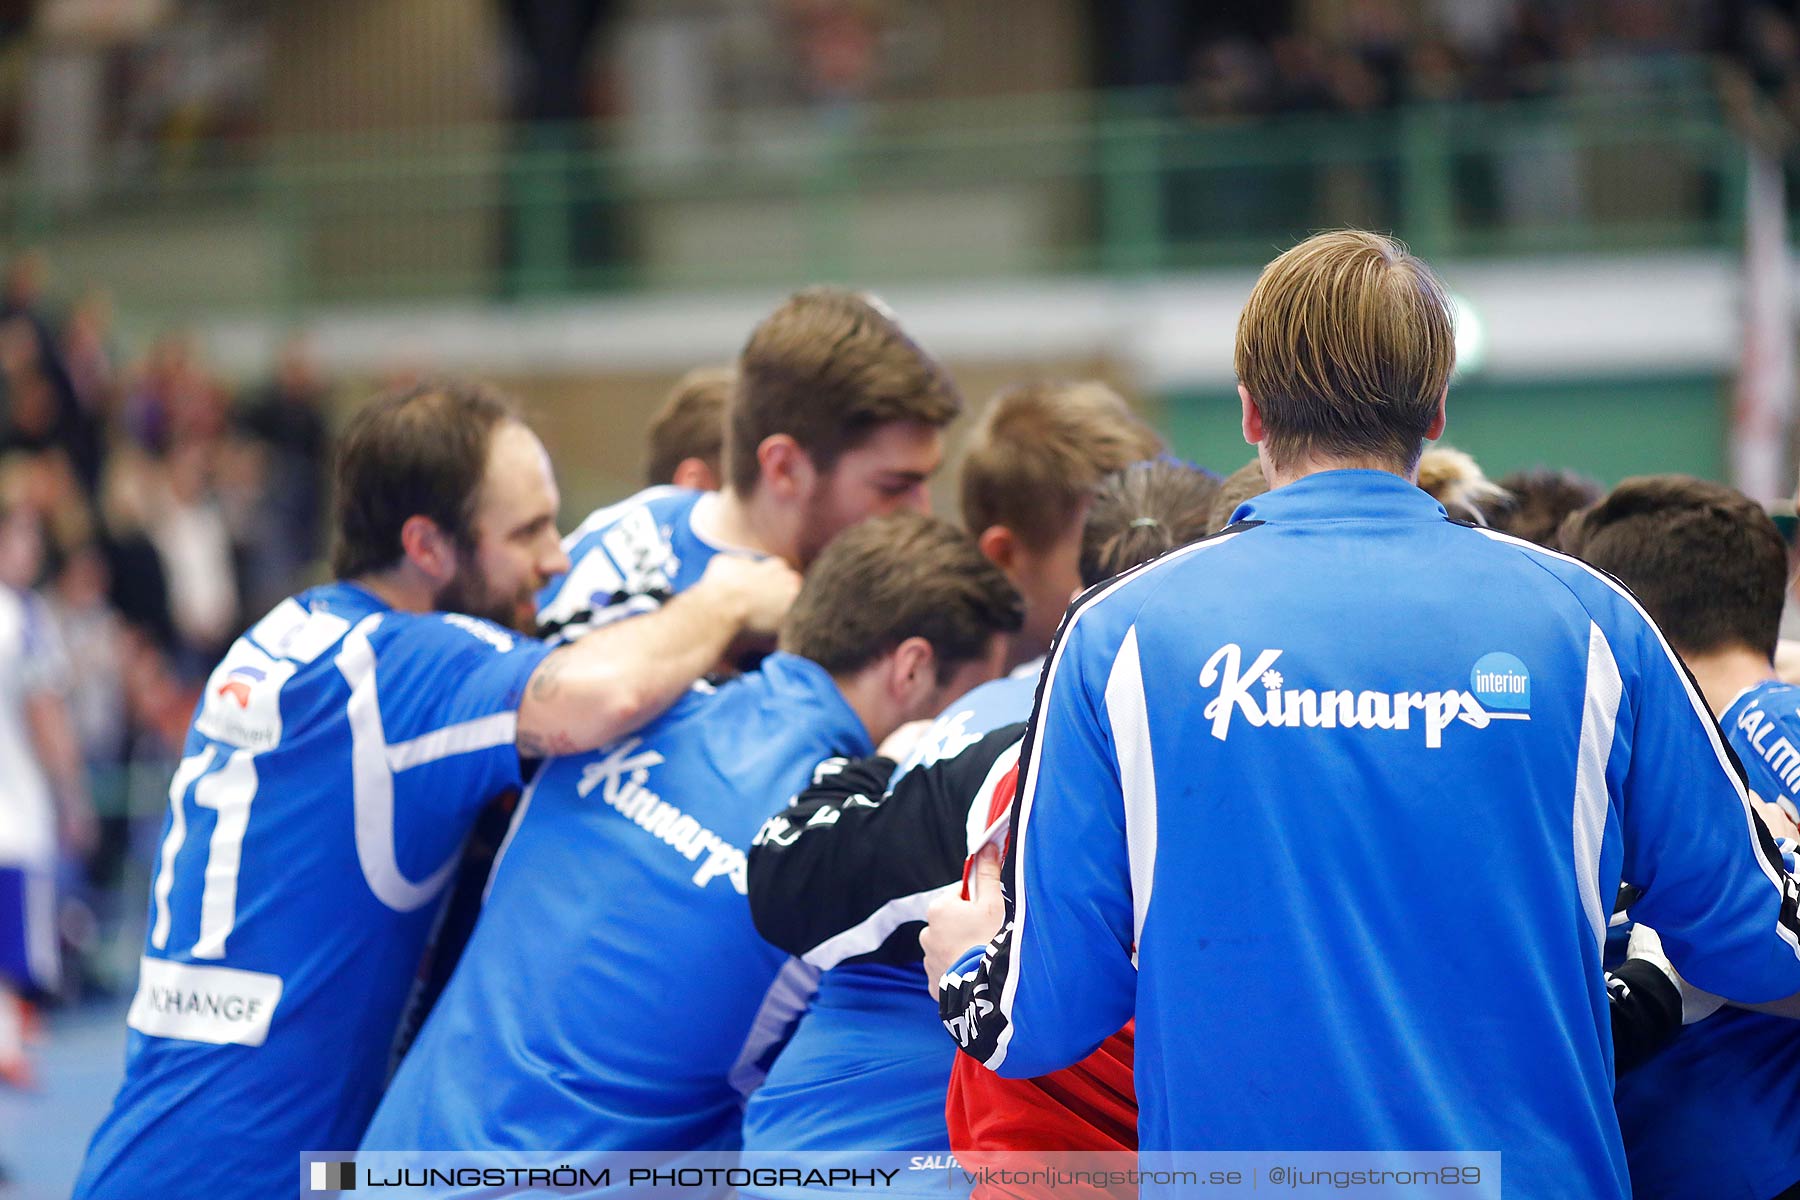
(1346, 658)
(1029, 472)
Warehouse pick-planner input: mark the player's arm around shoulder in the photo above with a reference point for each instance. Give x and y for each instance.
(620, 677)
(851, 846)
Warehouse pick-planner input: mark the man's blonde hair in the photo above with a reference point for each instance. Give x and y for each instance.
(1039, 452)
(828, 368)
(1346, 346)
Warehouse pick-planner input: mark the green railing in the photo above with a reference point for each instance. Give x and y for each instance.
(1119, 184)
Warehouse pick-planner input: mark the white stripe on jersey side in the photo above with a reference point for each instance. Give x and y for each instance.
(877, 927)
(1695, 700)
(1129, 714)
(372, 783)
(980, 830)
(1032, 774)
(483, 733)
(512, 827)
(784, 1002)
(189, 770)
(1599, 717)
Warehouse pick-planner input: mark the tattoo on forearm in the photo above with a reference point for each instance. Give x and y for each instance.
(544, 745)
(546, 681)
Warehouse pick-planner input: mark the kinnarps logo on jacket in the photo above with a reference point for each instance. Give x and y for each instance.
(1261, 696)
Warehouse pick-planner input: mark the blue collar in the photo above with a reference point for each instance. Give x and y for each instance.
(1342, 496)
(802, 678)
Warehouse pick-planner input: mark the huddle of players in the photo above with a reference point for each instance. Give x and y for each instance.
(648, 942)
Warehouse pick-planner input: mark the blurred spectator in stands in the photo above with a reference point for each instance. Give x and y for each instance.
(838, 49)
(687, 433)
(94, 640)
(1232, 80)
(79, 587)
(157, 384)
(193, 540)
(87, 354)
(44, 803)
(283, 481)
(140, 583)
(1302, 83)
(37, 351)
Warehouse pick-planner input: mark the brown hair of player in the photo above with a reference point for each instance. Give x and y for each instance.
(687, 432)
(828, 368)
(1705, 560)
(1346, 346)
(896, 577)
(1038, 452)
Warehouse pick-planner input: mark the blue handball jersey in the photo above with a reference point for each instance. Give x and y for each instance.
(615, 995)
(869, 1066)
(625, 559)
(1717, 1113)
(1337, 802)
(333, 766)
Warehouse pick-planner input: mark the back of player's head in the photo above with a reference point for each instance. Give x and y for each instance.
(418, 452)
(828, 368)
(690, 423)
(897, 577)
(1455, 480)
(1346, 346)
(1039, 450)
(1539, 503)
(1245, 483)
(1706, 561)
(1143, 511)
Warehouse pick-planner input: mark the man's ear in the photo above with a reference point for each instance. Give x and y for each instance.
(1253, 420)
(428, 548)
(1000, 546)
(695, 473)
(1438, 419)
(787, 470)
(912, 674)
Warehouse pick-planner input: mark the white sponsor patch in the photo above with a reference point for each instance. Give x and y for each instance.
(289, 631)
(242, 705)
(218, 1005)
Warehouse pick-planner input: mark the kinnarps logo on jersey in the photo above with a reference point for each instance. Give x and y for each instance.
(242, 704)
(622, 775)
(1499, 690)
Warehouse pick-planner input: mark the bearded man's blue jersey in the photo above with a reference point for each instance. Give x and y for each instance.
(868, 1066)
(1336, 802)
(1717, 1113)
(329, 777)
(615, 995)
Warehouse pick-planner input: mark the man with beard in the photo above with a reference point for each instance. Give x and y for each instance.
(338, 756)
